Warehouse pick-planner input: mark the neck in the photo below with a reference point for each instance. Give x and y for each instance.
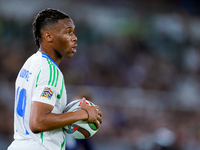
(51, 53)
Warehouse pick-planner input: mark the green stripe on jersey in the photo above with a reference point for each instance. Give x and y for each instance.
(41, 136)
(57, 77)
(61, 91)
(54, 73)
(63, 143)
(50, 71)
(37, 78)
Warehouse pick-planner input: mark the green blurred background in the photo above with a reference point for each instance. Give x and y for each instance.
(139, 60)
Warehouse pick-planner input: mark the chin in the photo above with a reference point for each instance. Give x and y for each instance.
(69, 56)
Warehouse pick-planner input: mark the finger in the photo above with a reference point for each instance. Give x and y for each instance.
(83, 98)
(100, 113)
(97, 107)
(97, 124)
(99, 119)
(83, 101)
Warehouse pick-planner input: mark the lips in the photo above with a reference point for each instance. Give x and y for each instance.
(74, 48)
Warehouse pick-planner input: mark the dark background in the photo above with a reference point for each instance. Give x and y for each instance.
(138, 60)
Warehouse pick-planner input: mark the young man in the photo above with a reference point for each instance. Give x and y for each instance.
(40, 91)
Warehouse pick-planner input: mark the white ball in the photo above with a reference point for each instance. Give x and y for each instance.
(80, 129)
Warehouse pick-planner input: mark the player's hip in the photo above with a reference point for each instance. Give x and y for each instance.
(25, 145)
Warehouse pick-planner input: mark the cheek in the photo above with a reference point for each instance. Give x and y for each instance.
(65, 42)
(67, 37)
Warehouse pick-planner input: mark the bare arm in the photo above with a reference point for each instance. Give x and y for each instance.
(42, 119)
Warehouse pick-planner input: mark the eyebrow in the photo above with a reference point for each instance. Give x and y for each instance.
(69, 28)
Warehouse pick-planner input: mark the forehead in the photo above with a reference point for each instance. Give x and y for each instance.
(66, 23)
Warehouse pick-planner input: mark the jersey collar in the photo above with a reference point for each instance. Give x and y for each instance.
(46, 56)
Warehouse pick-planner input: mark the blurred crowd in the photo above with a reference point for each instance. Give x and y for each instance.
(127, 45)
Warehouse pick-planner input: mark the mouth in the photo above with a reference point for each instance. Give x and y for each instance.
(74, 48)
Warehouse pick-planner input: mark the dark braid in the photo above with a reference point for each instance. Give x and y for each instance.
(43, 19)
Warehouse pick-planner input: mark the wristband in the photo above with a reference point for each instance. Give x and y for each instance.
(87, 113)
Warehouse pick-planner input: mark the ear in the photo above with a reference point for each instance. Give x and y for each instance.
(48, 36)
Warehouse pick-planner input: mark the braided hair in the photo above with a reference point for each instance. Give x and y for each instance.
(43, 19)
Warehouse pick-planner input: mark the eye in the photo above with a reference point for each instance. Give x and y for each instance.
(69, 32)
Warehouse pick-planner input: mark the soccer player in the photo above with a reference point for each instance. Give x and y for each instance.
(40, 95)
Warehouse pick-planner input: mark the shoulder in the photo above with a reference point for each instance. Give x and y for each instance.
(49, 72)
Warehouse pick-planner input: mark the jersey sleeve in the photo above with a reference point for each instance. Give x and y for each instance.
(45, 90)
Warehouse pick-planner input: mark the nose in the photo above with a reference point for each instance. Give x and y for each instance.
(74, 38)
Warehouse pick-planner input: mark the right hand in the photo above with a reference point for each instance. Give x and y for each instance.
(95, 115)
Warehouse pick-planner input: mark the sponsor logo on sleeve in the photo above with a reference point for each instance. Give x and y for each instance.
(47, 93)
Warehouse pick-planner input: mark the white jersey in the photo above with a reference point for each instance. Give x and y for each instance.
(40, 79)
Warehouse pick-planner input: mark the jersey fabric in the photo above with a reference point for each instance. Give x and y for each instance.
(40, 79)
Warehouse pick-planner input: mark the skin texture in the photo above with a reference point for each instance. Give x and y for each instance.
(59, 38)
(59, 41)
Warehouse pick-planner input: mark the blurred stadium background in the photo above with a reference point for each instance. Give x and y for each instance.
(139, 60)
